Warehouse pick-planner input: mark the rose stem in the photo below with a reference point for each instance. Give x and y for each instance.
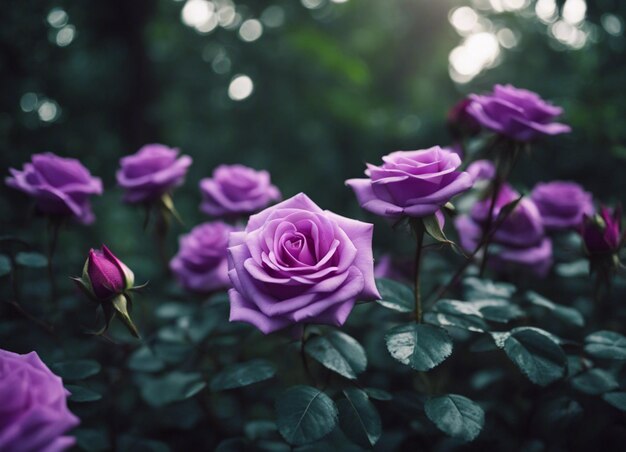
(497, 184)
(54, 225)
(418, 228)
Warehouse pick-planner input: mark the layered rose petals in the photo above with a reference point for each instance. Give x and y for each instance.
(295, 263)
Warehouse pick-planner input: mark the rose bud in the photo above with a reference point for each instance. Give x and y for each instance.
(602, 233)
(460, 122)
(108, 281)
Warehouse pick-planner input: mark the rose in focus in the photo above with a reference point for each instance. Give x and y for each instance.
(60, 186)
(296, 263)
(411, 183)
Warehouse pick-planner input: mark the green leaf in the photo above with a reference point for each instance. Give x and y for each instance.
(121, 304)
(433, 229)
(606, 345)
(81, 394)
(338, 352)
(594, 382)
(92, 440)
(566, 314)
(172, 387)
(466, 322)
(419, 345)
(144, 360)
(304, 415)
(456, 416)
(76, 370)
(616, 399)
(498, 310)
(358, 418)
(536, 354)
(480, 289)
(243, 374)
(5, 265)
(394, 295)
(378, 394)
(31, 259)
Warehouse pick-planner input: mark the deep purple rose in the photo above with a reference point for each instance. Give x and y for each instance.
(151, 172)
(411, 183)
(481, 170)
(60, 186)
(562, 204)
(602, 233)
(33, 408)
(107, 275)
(516, 113)
(520, 240)
(460, 122)
(296, 263)
(201, 264)
(236, 190)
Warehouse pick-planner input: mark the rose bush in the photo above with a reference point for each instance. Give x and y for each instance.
(60, 186)
(33, 411)
(295, 263)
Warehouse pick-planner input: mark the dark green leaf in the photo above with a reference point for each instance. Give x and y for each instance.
(304, 415)
(243, 374)
(466, 322)
(595, 382)
(81, 394)
(395, 296)
(536, 354)
(456, 416)
(5, 265)
(172, 387)
(564, 313)
(358, 418)
(144, 360)
(498, 310)
(433, 229)
(480, 289)
(378, 394)
(92, 440)
(338, 352)
(576, 269)
(617, 399)
(31, 259)
(419, 345)
(260, 429)
(76, 370)
(606, 345)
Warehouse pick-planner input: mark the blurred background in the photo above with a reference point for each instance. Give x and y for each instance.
(308, 89)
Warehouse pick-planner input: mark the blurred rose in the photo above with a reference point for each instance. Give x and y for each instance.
(60, 186)
(411, 183)
(460, 122)
(33, 409)
(516, 113)
(481, 170)
(602, 233)
(151, 172)
(201, 265)
(108, 276)
(520, 240)
(562, 204)
(296, 263)
(236, 190)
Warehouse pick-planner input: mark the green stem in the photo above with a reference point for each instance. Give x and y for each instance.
(418, 228)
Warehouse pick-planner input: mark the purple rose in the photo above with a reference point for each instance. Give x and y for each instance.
(602, 233)
(236, 190)
(201, 264)
(33, 413)
(151, 172)
(481, 170)
(516, 113)
(107, 276)
(562, 204)
(411, 183)
(296, 263)
(60, 186)
(520, 240)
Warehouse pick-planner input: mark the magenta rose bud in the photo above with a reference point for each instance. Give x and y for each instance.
(237, 190)
(152, 172)
(60, 186)
(33, 412)
(518, 114)
(201, 265)
(108, 276)
(460, 122)
(562, 204)
(520, 240)
(295, 263)
(602, 233)
(411, 183)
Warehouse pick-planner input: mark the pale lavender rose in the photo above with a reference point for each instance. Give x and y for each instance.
(295, 263)
(152, 172)
(516, 113)
(60, 186)
(237, 190)
(201, 265)
(411, 183)
(519, 241)
(481, 170)
(562, 204)
(33, 409)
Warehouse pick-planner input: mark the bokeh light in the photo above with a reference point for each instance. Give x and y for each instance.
(250, 30)
(241, 87)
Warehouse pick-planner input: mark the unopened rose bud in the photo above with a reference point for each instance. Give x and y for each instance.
(602, 233)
